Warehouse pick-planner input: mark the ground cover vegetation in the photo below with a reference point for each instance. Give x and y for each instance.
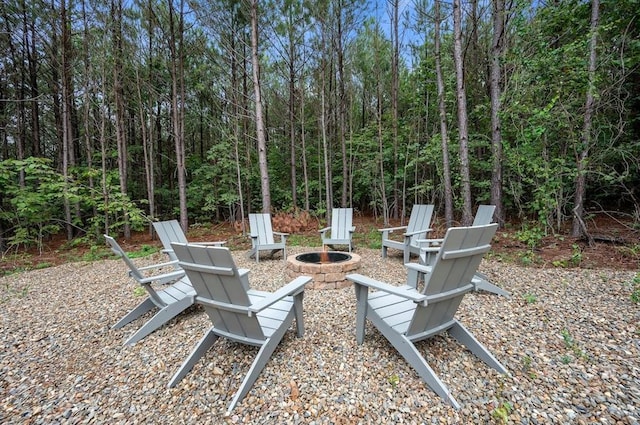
(115, 114)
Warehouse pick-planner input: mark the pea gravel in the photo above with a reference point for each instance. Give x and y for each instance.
(569, 337)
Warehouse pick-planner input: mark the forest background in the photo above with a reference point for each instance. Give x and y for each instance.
(113, 114)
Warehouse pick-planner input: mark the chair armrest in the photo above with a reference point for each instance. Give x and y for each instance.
(402, 291)
(162, 278)
(215, 243)
(292, 288)
(324, 230)
(429, 242)
(415, 232)
(173, 264)
(283, 236)
(391, 229)
(418, 267)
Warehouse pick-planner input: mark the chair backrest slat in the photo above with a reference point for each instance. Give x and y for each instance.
(341, 223)
(219, 288)
(420, 219)
(260, 226)
(484, 215)
(133, 270)
(169, 231)
(454, 267)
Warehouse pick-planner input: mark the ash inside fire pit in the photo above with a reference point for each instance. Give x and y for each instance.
(323, 257)
(327, 268)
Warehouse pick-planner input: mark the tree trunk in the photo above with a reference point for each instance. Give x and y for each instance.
(379, 95)
(68, 155)
(260, 130)
(292, 112)
(444, 133)
(121, 135)
(342, 107)
(304, 152)
(176, 49)
(578, 228)
(463, 127)
(394, 106)
(496, 131)
(89, 92)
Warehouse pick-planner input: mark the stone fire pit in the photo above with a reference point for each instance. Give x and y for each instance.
(327, 268)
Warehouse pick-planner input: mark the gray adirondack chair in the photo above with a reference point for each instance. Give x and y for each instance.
(405, 315)
(238, 313)
(484, 215)
(416, 229)
(262, 236)
(341, 228)
(170, 231)
(430, 248)
(170, 301)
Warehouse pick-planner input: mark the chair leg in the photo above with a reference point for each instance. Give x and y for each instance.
(260, 361)
(466, 338)
(200, 349)
(482, 284)
(407, 349)
(384, 251)
(159, 319)
(141, 309)
(297, 309)
(362, 294)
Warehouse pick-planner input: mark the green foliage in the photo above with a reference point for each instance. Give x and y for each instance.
(504, 408)
(571, 344)
(527, 362)
(530, 298)
(145, 250)
(635, 293)
(33, 208)
(576, 255)
(531, 236)
(567, 338)
(566, 359)
(96, 253)
(502, 412)
(139, 291)
(394, 380)
(304, 240)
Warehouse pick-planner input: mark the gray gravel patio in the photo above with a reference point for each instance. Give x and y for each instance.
(569, 337)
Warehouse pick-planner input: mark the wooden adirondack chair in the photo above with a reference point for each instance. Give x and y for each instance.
(262, 237)
(170, 301)
(170, 231)
(416, 229)
(430, 247)
(238, 313)
(405, 315)
(341, 228)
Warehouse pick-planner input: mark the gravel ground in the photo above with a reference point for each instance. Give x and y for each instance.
(570, 339)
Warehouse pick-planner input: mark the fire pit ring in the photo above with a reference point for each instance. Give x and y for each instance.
(323, 257)
(327, 268)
